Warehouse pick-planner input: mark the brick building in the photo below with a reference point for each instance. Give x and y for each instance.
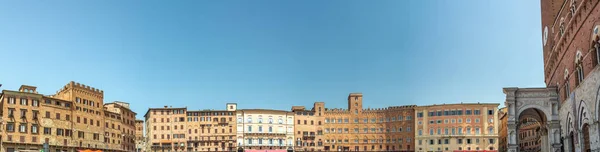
(140, 139)
(359, 129)
(177, 129)
(69, 120)
(502, 129)
(212, 130)
(462, 127)
(569, 107)
(308, 125)
(125, 124)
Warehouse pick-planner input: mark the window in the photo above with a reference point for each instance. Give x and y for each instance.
(467, 112)
(490, 112)
(567, 88)
(23, 101)
(11, 100)
(34, 129)
(420, 132)
(249, 120)
(573, 7)
(491, 130)
(23, 113)
(579, 72)
(562, 28)
(476, 112)
(10, 127)
(35, 103)
(47, 131)
(491, 141)
(477, 130)
(23, 128)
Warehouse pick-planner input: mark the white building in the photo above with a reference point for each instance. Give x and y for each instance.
(265, 129)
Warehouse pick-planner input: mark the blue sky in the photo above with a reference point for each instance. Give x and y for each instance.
(274, 54)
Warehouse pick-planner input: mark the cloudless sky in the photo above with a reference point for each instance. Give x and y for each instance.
(273, 54)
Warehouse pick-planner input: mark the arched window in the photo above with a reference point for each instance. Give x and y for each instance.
(573, 7)
(579, 67)
(562, 26)
(567, 87)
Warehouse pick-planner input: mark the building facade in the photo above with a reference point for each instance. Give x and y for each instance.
(568, 107)
(177, 129)
(70, 120)
(212, 130)
(125, 123)
(261, 129)
(164, 130)
(457, 127)
(502, 130)
(308, 125)
(365, 129)
(140, 139)
(529, 136)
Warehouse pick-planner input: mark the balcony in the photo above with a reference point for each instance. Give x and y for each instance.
(223, 123)
(308, 137)
(263, 134)
(210, 140)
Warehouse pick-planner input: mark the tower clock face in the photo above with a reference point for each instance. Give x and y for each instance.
(545, 35)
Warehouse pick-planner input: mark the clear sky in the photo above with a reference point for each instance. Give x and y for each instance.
(273, 54)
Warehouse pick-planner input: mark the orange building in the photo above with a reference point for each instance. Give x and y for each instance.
(308, 126)
(462, 127)
(359, 129)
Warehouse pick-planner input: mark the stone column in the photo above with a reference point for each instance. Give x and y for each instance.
(545, 145)
(554, 135)
(512, 137)
(595, 137)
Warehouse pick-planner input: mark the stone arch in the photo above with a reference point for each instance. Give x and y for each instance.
(533, 104)
(583, 114)
(547, 112)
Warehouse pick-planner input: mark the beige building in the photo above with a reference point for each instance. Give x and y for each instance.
(450, 127)
(70, 120)
(165, 129)
(308, 126)
(265, 129)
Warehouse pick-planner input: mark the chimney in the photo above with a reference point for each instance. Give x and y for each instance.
(166, 106)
